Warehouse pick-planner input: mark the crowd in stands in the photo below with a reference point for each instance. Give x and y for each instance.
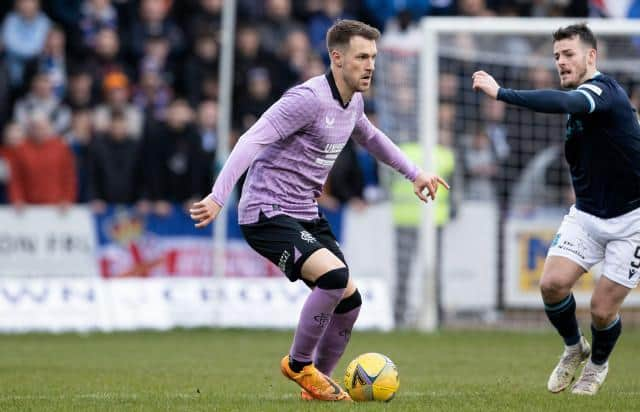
(116, 101)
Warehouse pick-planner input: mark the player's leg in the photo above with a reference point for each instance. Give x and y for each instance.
(559, 276)
(572, 252)
(336, 338)
(286, 243)
(330, 278)
(619, 277)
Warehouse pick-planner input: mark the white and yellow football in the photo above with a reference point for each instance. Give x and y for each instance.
(371, 377)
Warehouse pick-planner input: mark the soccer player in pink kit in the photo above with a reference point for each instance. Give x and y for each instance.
(289, 152)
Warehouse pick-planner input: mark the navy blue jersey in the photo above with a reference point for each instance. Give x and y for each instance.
(602, 142)
(603, 150)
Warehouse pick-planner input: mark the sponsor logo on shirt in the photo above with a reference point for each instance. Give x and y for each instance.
(329, 121)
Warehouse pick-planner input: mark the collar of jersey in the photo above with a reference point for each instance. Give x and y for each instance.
(334, 89)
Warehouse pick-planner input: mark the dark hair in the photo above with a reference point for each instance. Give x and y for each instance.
(581, 30)
(343, 30)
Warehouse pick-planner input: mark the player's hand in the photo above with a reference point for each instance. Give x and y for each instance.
(430, 182)
(484, 82)
(204, 211)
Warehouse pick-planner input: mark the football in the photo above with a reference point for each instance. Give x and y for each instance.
(371, 377)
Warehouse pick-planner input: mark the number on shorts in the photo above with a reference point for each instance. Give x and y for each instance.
(636, 264)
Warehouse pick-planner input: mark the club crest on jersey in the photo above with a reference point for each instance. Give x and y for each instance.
(307, 237)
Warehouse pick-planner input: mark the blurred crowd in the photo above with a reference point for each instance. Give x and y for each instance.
(116, 101)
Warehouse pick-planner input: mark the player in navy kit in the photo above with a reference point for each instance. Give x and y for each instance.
(602, 147)
(289, 152)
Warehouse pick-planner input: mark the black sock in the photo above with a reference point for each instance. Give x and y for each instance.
(563, 316)
(297, 366)
(604, 340)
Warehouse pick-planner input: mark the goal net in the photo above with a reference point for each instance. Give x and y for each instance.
(479, 255)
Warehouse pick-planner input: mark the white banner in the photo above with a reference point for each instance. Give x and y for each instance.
(469, 276)
(46, 241)
(162, 303)
(527, 241)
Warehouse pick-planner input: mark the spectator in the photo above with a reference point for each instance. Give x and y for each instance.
(106, 57)
(42, 167)
(80, 94)
(42, 99)
(208, 133)
(23, 33)
(199, 65)
(474, 8)
(5, 91)
(172, 157)
(257, 100)
(381, 11)
(79, 138)
(52, 61)
(156, 57)
(315, 67)
(113, 166)
(208, 18)
(94, 16)
(276, 25)
(331, 11)
(154, 21)
(13, 135)
(152, 95)
(250, 54)
(480, 165)
(295, 56)
(116, 95)
(66, 12)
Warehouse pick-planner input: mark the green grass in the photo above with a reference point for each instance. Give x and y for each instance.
(235, 370)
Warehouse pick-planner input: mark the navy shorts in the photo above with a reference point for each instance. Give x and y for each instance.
(288, 242)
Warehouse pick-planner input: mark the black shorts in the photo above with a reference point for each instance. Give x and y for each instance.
(288, 242)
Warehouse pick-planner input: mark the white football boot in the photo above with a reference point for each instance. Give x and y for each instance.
(592, 378)
(571, 359)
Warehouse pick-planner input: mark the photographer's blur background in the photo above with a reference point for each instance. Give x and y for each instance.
(110, 111)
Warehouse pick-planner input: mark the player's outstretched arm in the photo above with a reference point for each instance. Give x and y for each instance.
(204, 211)
(484, 82)
(544, 101)
(430, 182)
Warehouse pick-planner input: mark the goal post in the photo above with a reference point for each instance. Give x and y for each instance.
(459, 46)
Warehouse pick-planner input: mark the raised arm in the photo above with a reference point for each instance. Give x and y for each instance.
(383, 149)
(544, 101)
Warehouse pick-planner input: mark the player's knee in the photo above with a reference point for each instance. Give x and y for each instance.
(349, 303)
(553, 288)
(601, 314)
(334, 279)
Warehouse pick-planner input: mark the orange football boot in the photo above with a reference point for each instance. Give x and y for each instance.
(318, 385)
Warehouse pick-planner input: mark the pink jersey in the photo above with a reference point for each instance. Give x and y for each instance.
(291, 148)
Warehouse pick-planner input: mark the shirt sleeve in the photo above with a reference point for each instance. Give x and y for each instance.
(249, 145)
(382, 148)
(598, 95)
(295, 110)
(547, 101)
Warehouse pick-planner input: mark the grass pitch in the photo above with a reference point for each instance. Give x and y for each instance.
(237, 370)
